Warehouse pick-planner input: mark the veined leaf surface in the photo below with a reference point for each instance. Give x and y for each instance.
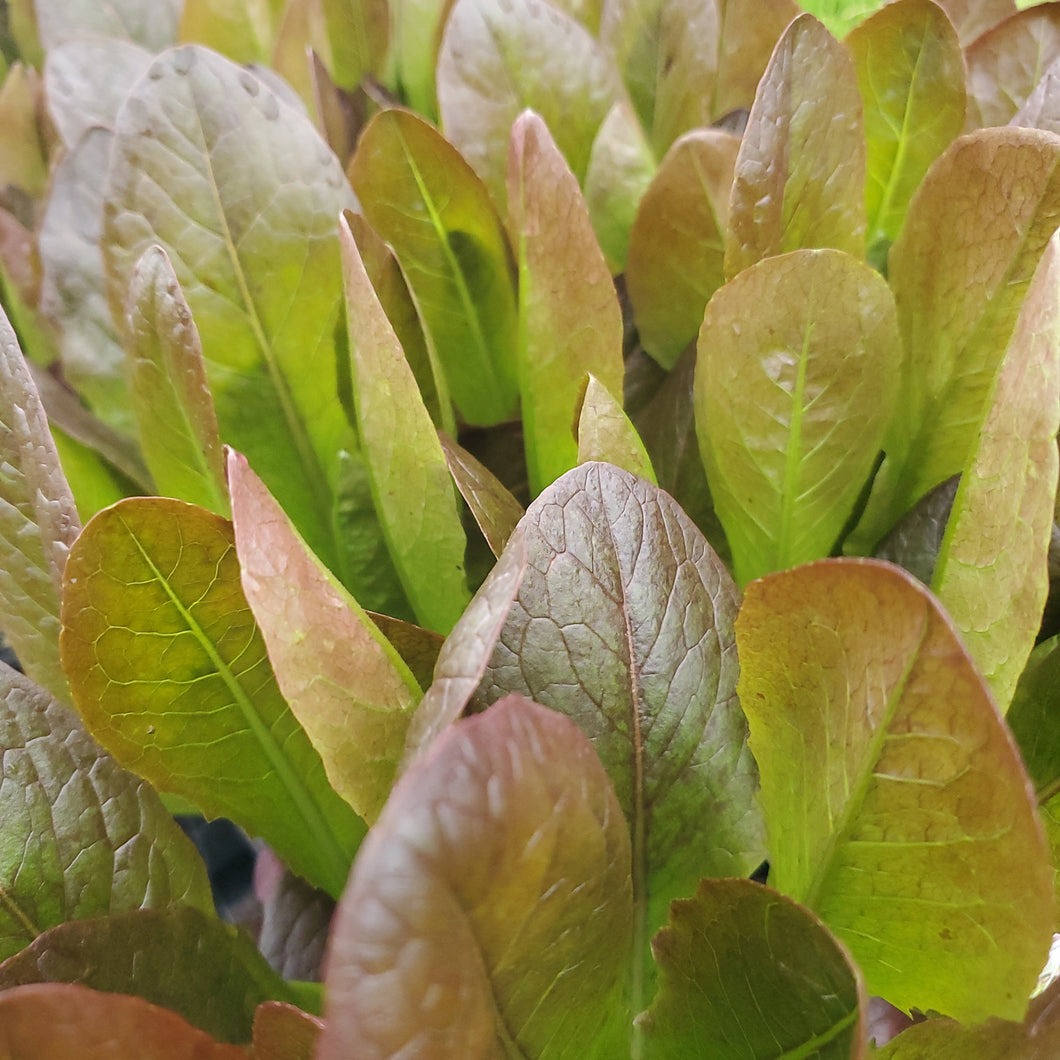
(605, 433)
(154, 26)
(82, 837)
(570, 322)
(795, 384)
(170, 673)
(897, 806)
(498, 869)
(623, 622)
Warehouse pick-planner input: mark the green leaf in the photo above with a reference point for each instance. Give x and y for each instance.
(179, 958)
(82, 837)
(897, 806)
(167, 382)
(498, 59)
(498, 869)
(356, 33)
(1034, 717)
(570, 322)
(605, 433)
(424, 199)
(415, 37)
(677, 243)
(153, 25)
(38, 521)
(747, 973)
(55, 1021)
(96, 483)
(410, 479)
(960, 269)
(623, 622)
(795, 384)
(1006, 64)
(251, 231)
(992, 572)
(348, 687)
(800, 171)
(170, 674)
(22, 160)
(495, 509)
(911, 75)
(243, 30)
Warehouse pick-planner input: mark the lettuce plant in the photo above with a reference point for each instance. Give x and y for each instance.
(543, 469)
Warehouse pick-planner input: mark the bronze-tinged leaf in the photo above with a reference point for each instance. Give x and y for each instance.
(1042, 107)
(800, 171)
(677, 242)
(605, 433)
(498, 869)
(897, 805)
(972, 18)
(284, 1032)
(1006, 64)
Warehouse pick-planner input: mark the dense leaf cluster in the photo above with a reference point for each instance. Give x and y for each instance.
(541, 461)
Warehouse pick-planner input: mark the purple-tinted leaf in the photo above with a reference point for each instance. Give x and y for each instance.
(914, 541)
(179, 958)
(283, 1032)
(795, 385)
(974, 17)
(427, 202)
(605, 433)
(57, 1021)
(167, 381)
(1042, 108)
(569, 318)
(495, 510)
(800, 172)
(992, 573)
(677, 243)
(1006, 64)
(170, 672)
(411, 485)
(897, 806)
(623, 622)
(499, 59)
(467, 651)
(152, 25)
(499, 868)
(419, 647)
(82, 837)
(345, 683)
(38, 521)
(747, 973)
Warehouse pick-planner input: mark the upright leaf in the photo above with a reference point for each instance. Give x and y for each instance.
(570, 323)
(499, 868)
(152, 25)
(747, 973)
(170, 396)
(243, 30)
(677, 243)
(499, 59)
(415, 36)
(38, 521)
(974, 17)
(82, 837)
(992, 572)
(424, 199)
(897, 806)
(170, 673)
(410, 479)
(795, 384)
(1042, 107)
(800, 172)
(960, 268)
(911, 75)
(258, 262)
(623, 622)
(344, 682)
(605, 433)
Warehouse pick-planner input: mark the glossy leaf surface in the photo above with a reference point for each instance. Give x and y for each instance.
(411, 485)
(251, 230)
(677, 243)
(623, 622)
(992, 574)
(489, 877)
(179, 958)
(38, 521)
(170, 673)
(344, 682)
(897, 805)
(170, 395)
(424, 199)
(82, 837)
(800, 172)
(570, 323)
(746, 973)
(911, 75)
(795, 383)
(605, 433)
